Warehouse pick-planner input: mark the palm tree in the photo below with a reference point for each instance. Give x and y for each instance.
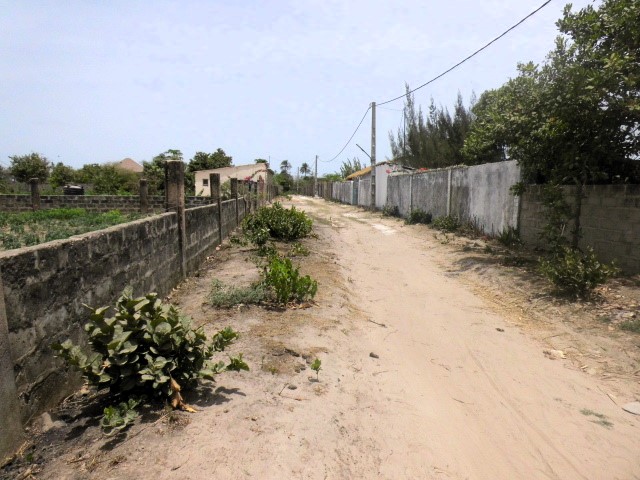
(285, 166)
(305, 169)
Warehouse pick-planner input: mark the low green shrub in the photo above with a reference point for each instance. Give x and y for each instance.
(419, 216)
(447, 223)
(276, 222)
(574, 272)
(509, 237)
(391, 211)
(298, 250)
(286, 283)
(631, 325)
(117, 418)
(226, 296)
(146, 348)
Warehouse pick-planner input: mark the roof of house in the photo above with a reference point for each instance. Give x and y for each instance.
(130, 164)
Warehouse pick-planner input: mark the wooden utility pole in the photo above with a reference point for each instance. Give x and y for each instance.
(315, 180)
(373, 155)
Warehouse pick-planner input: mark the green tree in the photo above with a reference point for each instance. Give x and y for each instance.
(153, 171)
(108, 179)
(575, 119)
(305, 169)
(350, 166)
(25, 167)
(284, 179)
(435, 140)
(285, 166)
(61, 175)
(262, 160)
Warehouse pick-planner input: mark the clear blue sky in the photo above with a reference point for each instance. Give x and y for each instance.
(93, 81)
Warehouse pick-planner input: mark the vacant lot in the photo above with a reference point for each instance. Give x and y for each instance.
(437, 362)
(31, 228)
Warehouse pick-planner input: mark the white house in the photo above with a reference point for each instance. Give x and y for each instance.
(253, 172)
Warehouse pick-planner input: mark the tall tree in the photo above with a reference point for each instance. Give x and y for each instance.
(204, 161)
(61, 174)
(285, 166)
(350, 166)
(25, 167)
(305, 169)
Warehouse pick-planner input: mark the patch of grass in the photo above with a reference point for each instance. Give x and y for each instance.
(31, 228)
(601, 419)
(447, 223)
(631, 325)
(226, 296)
(509, 237)
(390, 211)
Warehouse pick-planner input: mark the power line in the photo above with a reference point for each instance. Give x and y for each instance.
(470, 56)
(351, 137)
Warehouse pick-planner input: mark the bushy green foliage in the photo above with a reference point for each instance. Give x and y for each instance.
(419, 216)
(25, 167)
(147, 347)
(119, 417)
(391, 211)
(574, 272)
(286, 283)
(225, 296)
(276, 222)
(30, 228)
(509, 237)
(447, 223)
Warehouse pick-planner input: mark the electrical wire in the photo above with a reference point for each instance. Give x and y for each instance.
(469, 57)
(350, 138)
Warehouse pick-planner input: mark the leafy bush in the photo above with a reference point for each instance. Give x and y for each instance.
(509, 237)
(222, 295)
(120, 417)
(574, 272)
(419, 216)
(147, 348)
(276, 222)
(391, 211)
(447, 223)
(286, 283)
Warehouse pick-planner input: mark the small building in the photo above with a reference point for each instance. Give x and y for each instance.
(255, 172)
(383, 170)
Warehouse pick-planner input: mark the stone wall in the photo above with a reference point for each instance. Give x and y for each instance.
(92, 203)
(45, 287)
(610, 222)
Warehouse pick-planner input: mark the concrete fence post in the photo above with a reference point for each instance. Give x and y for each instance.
(10, 422)
(449, 191)
(174, 202)
(253, 194)
(144, 196)
(35, 193)
(234, 195)
(214, 185)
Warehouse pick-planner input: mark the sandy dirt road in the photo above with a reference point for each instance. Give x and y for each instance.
(421, 379)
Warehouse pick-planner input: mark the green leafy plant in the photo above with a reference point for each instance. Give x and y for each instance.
(119, 417)
(509, 237)
(419, 216)
(391, 211)
(222, 295)
(447, 223)
(286, 283)
(276, 222)
(316, 366)
(147, 348)
(574, 272)
(298, 250)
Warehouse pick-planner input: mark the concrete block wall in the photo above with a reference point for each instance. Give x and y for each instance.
(429, 192)
(399, 193)
(45, 287)
(364, 192)
(92, 203)
(610, 221)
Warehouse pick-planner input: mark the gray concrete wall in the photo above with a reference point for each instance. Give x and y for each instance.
(45, 287)
(481, 194)
(610, 222)
(343, 192)
(364, 192)
(399, 193)
(429, 192)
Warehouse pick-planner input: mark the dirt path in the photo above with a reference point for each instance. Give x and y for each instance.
(422, 377)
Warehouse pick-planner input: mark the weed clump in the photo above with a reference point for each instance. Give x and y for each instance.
(278, 223)
(447, 223)
(419, 216)
(286, 283)
(226, 296)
